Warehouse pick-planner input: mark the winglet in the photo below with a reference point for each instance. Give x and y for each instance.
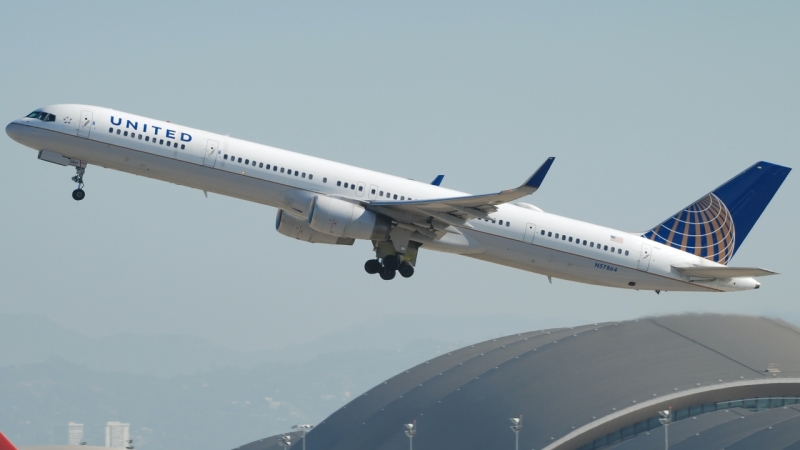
(438, 180)
(5, 444)
(536, 179)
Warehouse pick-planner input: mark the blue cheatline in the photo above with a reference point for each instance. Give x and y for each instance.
(716, 225)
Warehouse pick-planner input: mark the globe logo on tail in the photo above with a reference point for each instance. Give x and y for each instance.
(704, 228)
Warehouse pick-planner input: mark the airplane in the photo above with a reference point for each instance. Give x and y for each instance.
(327, 202)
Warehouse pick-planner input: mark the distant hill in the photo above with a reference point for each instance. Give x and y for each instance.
(28, 338)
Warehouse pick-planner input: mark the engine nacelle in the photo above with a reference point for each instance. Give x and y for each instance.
(344, 219)
(295, 227)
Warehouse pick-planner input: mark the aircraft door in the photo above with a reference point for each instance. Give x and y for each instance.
(373, 192)
(645, 257)
(212, 150)
(530, 231)
(360, 189)
(86, 123)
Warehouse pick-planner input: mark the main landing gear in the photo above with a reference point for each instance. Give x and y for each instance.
(79, 194)
(389, 266)
(389, 263)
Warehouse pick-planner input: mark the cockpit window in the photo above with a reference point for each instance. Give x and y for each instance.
(41, 115)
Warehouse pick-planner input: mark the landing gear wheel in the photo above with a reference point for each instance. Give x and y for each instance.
(391, 262)
(388, 274)
(406, 269)
(78, 194)
(372, 266)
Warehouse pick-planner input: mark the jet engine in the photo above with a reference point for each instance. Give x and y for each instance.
(295, 227)
(344, 219)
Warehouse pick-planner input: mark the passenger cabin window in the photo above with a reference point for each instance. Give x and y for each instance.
(605, 248)
(324, 179)
(281, 169)
(310, 177)
(549, 234)
(352, 187)
(626, 253)
(260, 165)
(570, 238)
(542, 232)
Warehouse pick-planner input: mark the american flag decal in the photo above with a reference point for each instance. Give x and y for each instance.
(616, 239)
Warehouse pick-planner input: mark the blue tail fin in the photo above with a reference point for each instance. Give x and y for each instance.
(716, 225)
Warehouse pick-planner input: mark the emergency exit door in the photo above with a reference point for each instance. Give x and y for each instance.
(85, 124)
(212, 149)
(645, 257)
(530, 231)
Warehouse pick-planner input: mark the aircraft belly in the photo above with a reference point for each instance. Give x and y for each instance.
(166, 169)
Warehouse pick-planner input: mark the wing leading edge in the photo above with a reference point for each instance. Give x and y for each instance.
(457, 210)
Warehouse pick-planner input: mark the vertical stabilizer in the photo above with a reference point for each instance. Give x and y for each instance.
(716, 225)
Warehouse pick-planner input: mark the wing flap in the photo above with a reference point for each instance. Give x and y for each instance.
(723, 272)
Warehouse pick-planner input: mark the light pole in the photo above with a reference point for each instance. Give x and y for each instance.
(285, 441)
(666, 418)
(303, 430)
(516, 425)
(411, 430)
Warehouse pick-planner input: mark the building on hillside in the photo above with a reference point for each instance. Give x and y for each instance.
(117, 434)
(74, 433)
(729, 382)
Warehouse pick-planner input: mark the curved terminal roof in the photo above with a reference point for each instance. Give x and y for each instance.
(583, 387)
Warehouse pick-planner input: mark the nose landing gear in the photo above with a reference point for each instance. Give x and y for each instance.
(79, 194)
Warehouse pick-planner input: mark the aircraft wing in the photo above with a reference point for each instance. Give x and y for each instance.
(457, 210)
(723, 272)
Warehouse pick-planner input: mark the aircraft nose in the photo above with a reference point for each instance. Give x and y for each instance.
(14, 131)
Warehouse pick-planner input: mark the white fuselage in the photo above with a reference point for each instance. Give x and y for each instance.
(519, 236)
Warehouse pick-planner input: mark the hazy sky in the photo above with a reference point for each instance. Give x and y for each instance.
(646, 106)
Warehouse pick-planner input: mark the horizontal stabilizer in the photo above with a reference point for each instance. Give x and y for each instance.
(723, 272)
